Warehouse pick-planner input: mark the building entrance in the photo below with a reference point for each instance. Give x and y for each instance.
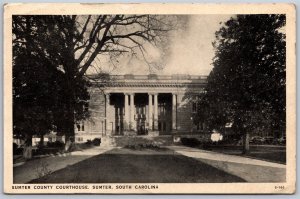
(141, 120)
(140, 117)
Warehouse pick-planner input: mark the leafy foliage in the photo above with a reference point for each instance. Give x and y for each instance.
(247, 84)
(39, 86)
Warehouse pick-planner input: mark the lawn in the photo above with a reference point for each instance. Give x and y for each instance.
(139, 166)
(275, 154)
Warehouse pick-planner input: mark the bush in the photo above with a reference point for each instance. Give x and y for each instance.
(15, 147)
(89, 142)
(140, 146)
(191, 142)
(96, 142)
(205, 145)
(56, 144)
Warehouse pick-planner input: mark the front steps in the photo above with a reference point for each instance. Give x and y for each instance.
(121, 141)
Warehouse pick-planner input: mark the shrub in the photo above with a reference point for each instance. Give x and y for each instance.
(56, 144)
(89, 142)
(15, 147)
(96, 141)
(140, 146)
(192, 142)
(205, 145)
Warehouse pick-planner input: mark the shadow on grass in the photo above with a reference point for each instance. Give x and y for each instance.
(139, 166)
(275, 154)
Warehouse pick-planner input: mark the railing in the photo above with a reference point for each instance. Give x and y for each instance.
(159, 77)
(153, 80)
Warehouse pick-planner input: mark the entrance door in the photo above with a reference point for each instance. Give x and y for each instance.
(119, 120)
(141, 120)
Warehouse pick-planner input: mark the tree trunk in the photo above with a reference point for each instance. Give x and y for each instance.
(246, 146)
(27, 151)
(70, 131)
(70, 120)
(42, 141)
(70, 97)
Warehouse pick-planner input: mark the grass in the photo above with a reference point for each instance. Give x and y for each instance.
(139, 166)
(275, 154)
(50, 151)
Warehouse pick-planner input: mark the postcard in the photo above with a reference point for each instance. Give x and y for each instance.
(149, 98)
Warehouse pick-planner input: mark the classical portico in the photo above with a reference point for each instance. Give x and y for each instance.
(147, 104)
(138, 112)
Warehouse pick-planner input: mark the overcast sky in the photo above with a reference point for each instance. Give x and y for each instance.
(190, 52)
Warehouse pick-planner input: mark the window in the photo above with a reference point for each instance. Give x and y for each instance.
(80, 139)
(80, 127)
(194, 107)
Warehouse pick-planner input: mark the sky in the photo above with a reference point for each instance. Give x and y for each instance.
(193, 53)
(190, 50)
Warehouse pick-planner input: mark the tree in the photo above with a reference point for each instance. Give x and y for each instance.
(34, 85)
(247, 84)
(77, 41)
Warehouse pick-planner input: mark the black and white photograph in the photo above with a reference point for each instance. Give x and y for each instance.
(101, 100)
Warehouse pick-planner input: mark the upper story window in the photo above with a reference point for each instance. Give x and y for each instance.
(80, 127)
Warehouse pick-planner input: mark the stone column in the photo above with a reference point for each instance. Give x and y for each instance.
(155, 111)
(119, 120)
(132, 112)
(107, 114)
(150, 109)
(174, 112)
(126, 107)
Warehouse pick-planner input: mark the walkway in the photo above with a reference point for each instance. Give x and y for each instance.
(249, 169)
(123, 165)
(33, 168)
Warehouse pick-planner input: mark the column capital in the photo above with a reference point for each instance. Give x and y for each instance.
(153, 94)
(107, 96)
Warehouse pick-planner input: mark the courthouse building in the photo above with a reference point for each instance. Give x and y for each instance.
(142, 105)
